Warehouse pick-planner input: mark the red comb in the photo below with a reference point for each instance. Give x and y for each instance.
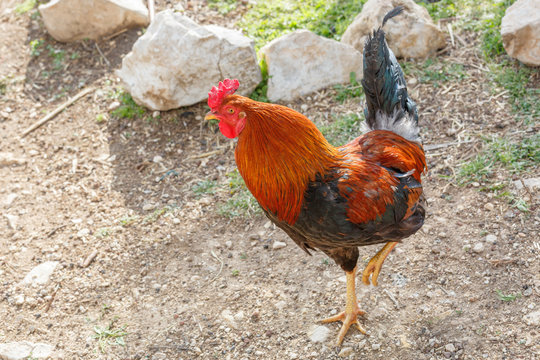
(225, 87)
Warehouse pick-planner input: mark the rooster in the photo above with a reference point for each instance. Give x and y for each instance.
(327, 198)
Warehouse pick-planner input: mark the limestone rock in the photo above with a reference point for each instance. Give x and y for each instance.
(532, 319)
(520, 31)
(411, 34)
(25, 350)
(176, 62)
(319, 334)
(71, 20)
(41, 273)
(302, 62)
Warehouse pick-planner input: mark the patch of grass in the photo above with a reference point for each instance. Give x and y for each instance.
(352, 90)
(25, 6)
(109, 335)
(270, 19)
(222, 6)
(492, 44)
(157, 214)
(516, 157)
(35, 47)
(128, 220)
(3, 86)
(57, 55)
(441, 9)
(343, 129)
(516, 79)
(434, 71)
(128, 108)
(259, 94)
(101, 118)
(235, 272)
(204, 187)
(241, 203)
(509, 297)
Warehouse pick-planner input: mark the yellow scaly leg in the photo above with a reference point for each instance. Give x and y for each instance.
(375, 264)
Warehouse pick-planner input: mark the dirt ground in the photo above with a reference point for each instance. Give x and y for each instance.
(185, 282)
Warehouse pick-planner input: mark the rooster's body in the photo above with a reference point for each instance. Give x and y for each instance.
(334, 199)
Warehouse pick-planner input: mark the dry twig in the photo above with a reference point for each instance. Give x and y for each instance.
(56, 111)
(89, 259)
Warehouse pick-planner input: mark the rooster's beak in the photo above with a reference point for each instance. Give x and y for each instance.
(210, 116)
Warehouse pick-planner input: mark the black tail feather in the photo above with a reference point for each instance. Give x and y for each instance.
(388, 105)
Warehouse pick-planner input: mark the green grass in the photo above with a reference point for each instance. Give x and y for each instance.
(343, 129)
(25, 6)
(269, 19)
(204, 187)
(222, 6)
(109, 335)
(352, 90)
(507, 298)
(434, 71)
(128, 108)
(3, 86)
(441, 9)
(36, 47)
(515, 157)
(241, 202)
(58, 57)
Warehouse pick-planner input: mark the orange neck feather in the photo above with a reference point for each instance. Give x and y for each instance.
(279, 152)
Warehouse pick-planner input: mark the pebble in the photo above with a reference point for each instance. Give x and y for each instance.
(304, 107)
(25, 350)
(475, 184)
(83, 232)
(478, 247)
(12, 221)
(254, 237)
(155, 114)
(280, 304)
(19, 299)
(114, 105)
(319, 334)
(375, 347)
(229, 318)
(346, 351)
(491, 238)
(228, 244)
(532, 319)
(41, 273)
(10, 199)
(278, 245)
(489, 206)
(450, 347)
(157, 159)
(447, 354)
(148, 207)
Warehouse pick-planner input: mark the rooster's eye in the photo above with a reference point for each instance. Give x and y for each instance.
(231, 111)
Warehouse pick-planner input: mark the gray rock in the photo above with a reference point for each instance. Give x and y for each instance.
(375, 347)
(346, 351)
(412, 34)
(176, 62)
(301, 62)
(71, 20)
(319, 334)
(478, 247)
(520, 31)
(491, 238)
(530, 183)
(40, 274)
(24, 350)
(278, 245)
(450, 347)
(532, 319)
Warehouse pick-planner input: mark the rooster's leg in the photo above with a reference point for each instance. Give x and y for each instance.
(375, 264)
(349, 316)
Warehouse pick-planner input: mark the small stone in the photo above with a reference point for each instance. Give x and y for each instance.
(528, 291)
(10, 199)
(114, 105)
(83, 232)
(228, 244)
(491, 238)
(41, 273)
(268, 224)
(375, 347)
(304, 107)
(478, 247)
(319, 334)
(489, 206)
(346, 351)
(450, 347)
(229, 318)
(148, 207)
(19, 299)
(532, 319)
(254, 237)
(280, 304)
(447, 354)
(156, 114)
(12, 221)
(278, 245)
(475, 184)
(239, 316)
(157, 159)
